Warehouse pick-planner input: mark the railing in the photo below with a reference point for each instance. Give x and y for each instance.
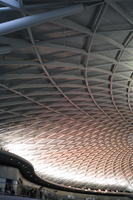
(16, 190)
(15, 197)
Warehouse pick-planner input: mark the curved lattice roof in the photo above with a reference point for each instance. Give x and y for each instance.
(66, 90)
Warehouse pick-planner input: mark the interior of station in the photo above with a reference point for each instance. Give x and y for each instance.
(66, 99)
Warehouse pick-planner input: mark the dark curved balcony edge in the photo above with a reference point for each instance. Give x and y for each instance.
(27, 170)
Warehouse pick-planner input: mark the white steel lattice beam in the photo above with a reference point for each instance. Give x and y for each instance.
(10, 3)
(28, 21)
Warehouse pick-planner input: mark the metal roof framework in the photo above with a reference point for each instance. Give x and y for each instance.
(66, 89)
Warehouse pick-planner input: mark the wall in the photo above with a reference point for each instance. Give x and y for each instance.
(7, 172)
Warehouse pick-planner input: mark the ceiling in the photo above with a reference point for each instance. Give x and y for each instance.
(66, 89)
